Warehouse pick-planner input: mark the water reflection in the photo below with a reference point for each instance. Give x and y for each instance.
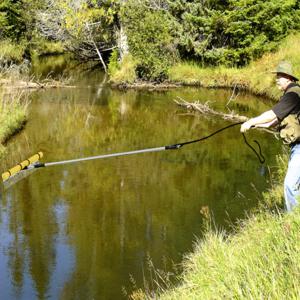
(79, 231)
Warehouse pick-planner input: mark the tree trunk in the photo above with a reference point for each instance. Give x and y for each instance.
(96, 48)
(122, 43)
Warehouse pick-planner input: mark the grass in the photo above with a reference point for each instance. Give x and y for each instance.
(261, 261)
(12, 64)
(255, 78)
(11, 52)
(124, 72)
(45, 47)
(274, 197)
(12, 117)
(14, 71)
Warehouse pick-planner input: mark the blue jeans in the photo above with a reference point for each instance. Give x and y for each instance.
(292, 179)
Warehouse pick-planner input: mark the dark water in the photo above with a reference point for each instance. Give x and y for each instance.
(82, 231)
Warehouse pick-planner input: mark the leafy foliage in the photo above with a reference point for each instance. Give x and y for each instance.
(76, 18)
(150, 38)
(233, 32)
(12, 25)
(122, 71)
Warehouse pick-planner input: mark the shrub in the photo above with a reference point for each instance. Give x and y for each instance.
(122, 72)
(150, 39)
(11, 52)
(233, 32)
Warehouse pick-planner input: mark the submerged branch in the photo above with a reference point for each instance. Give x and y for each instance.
(204, 108)
(21, 84)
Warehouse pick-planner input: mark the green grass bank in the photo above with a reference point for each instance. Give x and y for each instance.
(12, 117)
(260, 261)
(255, 78)
(14, 77)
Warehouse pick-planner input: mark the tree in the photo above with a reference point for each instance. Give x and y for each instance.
(86, 27)
(11, 23)
(151, 37)
(232, 32)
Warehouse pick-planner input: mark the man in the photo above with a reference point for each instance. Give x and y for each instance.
(287, 113)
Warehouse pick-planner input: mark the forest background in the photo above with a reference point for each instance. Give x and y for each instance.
(143, 39)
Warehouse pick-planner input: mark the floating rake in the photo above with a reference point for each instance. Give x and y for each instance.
(21, 170)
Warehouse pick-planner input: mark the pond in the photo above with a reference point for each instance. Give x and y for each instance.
(90, 230)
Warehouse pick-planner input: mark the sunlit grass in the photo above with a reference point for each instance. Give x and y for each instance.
(11, 52)
(261, 261)
(12, 64)
(258, 260)
(125, 72)
(274, 197)
(12, 117)
(256, 78)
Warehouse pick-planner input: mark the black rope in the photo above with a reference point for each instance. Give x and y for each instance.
(259, 155)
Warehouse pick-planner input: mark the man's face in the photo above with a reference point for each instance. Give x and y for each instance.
(282, 82)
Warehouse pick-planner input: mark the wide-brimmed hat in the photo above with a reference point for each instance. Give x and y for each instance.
(285, 67)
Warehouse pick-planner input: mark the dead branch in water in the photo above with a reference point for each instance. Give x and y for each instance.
(206, 109)
(21, 84)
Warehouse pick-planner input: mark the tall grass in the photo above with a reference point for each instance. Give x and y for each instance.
(12, 64)
(123, 72)
(274, 197)
(261, 261)
(11, 52)
(256, 77)
(12, 117)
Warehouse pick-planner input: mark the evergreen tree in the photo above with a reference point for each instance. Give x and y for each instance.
(12, 25)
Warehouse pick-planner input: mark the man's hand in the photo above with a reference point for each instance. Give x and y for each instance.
(266, 119)
(246, 126)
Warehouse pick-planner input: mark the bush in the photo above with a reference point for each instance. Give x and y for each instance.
(150, 39)
(12, 23)
(113, 65)
(123, 72)
(233, 32)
